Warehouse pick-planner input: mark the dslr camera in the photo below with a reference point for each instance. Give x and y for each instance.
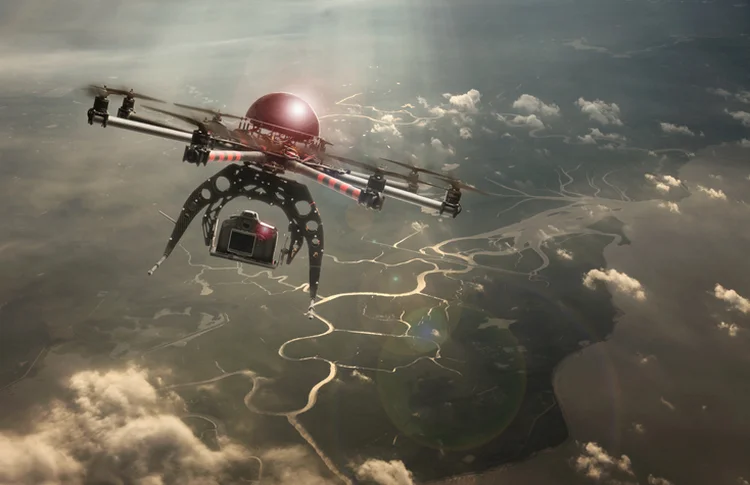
(245, 238)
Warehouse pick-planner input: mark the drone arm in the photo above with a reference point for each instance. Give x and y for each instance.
(141, 127)
(325, 180)
(411, 197)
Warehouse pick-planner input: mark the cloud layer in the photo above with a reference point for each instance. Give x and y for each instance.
(116, 428)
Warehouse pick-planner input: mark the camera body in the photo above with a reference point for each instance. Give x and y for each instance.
(245, 238)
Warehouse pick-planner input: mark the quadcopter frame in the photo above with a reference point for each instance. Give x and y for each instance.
(260, 178)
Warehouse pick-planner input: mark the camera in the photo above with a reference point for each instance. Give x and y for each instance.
(245, 238)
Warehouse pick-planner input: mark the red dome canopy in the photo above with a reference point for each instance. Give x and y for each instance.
(286, 110)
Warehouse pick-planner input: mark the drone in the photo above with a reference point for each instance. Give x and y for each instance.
(279, 135)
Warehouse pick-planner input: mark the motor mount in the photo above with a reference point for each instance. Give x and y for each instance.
(372, 197)
(452, 201)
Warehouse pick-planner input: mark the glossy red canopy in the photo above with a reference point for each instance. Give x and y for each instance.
(286, 110)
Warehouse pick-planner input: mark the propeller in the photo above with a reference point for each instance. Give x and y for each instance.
(186, 118)
(377, 169)
(95, 90)
(366, 166)
(209, 111)
(202, 126)
(452, 181)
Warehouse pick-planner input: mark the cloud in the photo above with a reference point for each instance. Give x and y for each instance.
(737, 302)
(531, 104)
(741, 96)
(744, 143)
(441, 148)
(652, 480)
(741, 116)
(385, 472)
(387, 125)
(597, 464)
(671, 206)
(713, 193)
(465, 132)
(465, 102)
(719, 92)
(581, 45)
(530, 121)
(448, 167)
(115, 428)
(663, 183)
(598, 110)
(564, 254)
(595, 134)
(731, 328)
(673, 129)
(619, 281)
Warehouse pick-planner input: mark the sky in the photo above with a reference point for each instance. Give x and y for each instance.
(502, 94)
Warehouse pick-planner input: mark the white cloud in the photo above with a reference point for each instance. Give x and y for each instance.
(652, 480)
(744, 143)
(117, 427)
(465, 132)
(532, 121)
(673, 129)
(597, 464)
(731, 328)
(598, 110)
(595, 134)
(531, 104)
(719, 92)
(387, 125)
(741, 116)
(671, 206)
(737, 302)
(663, 183)
(619, 281)
(441, 148)
(385, 472)
(466, 102)
(564, 254)
(713, 193)
(741, 96)
(449, 167)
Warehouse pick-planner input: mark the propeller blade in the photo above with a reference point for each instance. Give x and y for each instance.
(186, 118)
(367, 166)
(459, 184)
(95, 90)
(412, 167)
(454, 182)
(209, 111)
